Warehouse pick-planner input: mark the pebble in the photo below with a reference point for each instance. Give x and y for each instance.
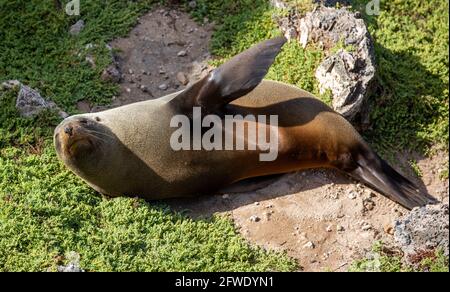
(352, 195)
(369, 204)
(111, 73)
(389, 229)
(225, 196)
(77, 27)
(340, 228)
(144, 88)
(254, 218)
(163, 86)
(182, 53)
(192, 4)
(309, 245)
(91, 60)
(366, 227)
(128, 90)
(329, 228)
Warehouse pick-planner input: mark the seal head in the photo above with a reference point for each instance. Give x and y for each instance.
(82, 144)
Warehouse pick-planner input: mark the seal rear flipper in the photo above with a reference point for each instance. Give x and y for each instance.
(375, 172)
(235, 78)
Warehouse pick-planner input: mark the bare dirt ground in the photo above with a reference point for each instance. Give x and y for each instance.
(319, 217)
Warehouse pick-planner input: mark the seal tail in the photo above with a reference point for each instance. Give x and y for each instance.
(375, 172)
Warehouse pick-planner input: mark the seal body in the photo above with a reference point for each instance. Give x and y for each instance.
(127, 150)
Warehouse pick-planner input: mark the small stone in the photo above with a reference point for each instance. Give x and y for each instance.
(368, 204)
(9, 84)
(181, 77)
(182, 53)
(329, 228)
(225, 196)
(91, 60)
(161, 71)
(340, 228)
(192, 4)
(257, 203)
(130, 71)
(128, 89)
(366, 227)
(255, 218)
(144, 88)
(351, 195)
(77, 27)
(163, 86)
(30, 103)
(309, 245)
(389, 229)
(111, 73)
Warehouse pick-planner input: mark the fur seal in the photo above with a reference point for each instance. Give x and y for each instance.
(126, 150)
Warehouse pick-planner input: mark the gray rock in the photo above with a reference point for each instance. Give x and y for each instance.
(424, 228)
(10, 84)
(30, 103)
(349, 72)
(111, 73)
(279, 4)
(254, 218)
(192, 4)
(144, 88)
(182, 53)
(163, 86)
(309, 245)
(73, 265)
(77, 27)
(91, 60)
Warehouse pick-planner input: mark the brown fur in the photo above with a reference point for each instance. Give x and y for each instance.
(141, 162)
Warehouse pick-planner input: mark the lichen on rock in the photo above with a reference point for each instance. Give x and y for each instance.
(349, 71)
(424, 228)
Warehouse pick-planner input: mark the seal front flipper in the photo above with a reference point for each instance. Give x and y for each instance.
(235, 78)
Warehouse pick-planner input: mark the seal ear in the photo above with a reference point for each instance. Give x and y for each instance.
(235, 78)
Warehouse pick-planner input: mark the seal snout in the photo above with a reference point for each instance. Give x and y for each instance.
(68, 130)
(72, 136)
